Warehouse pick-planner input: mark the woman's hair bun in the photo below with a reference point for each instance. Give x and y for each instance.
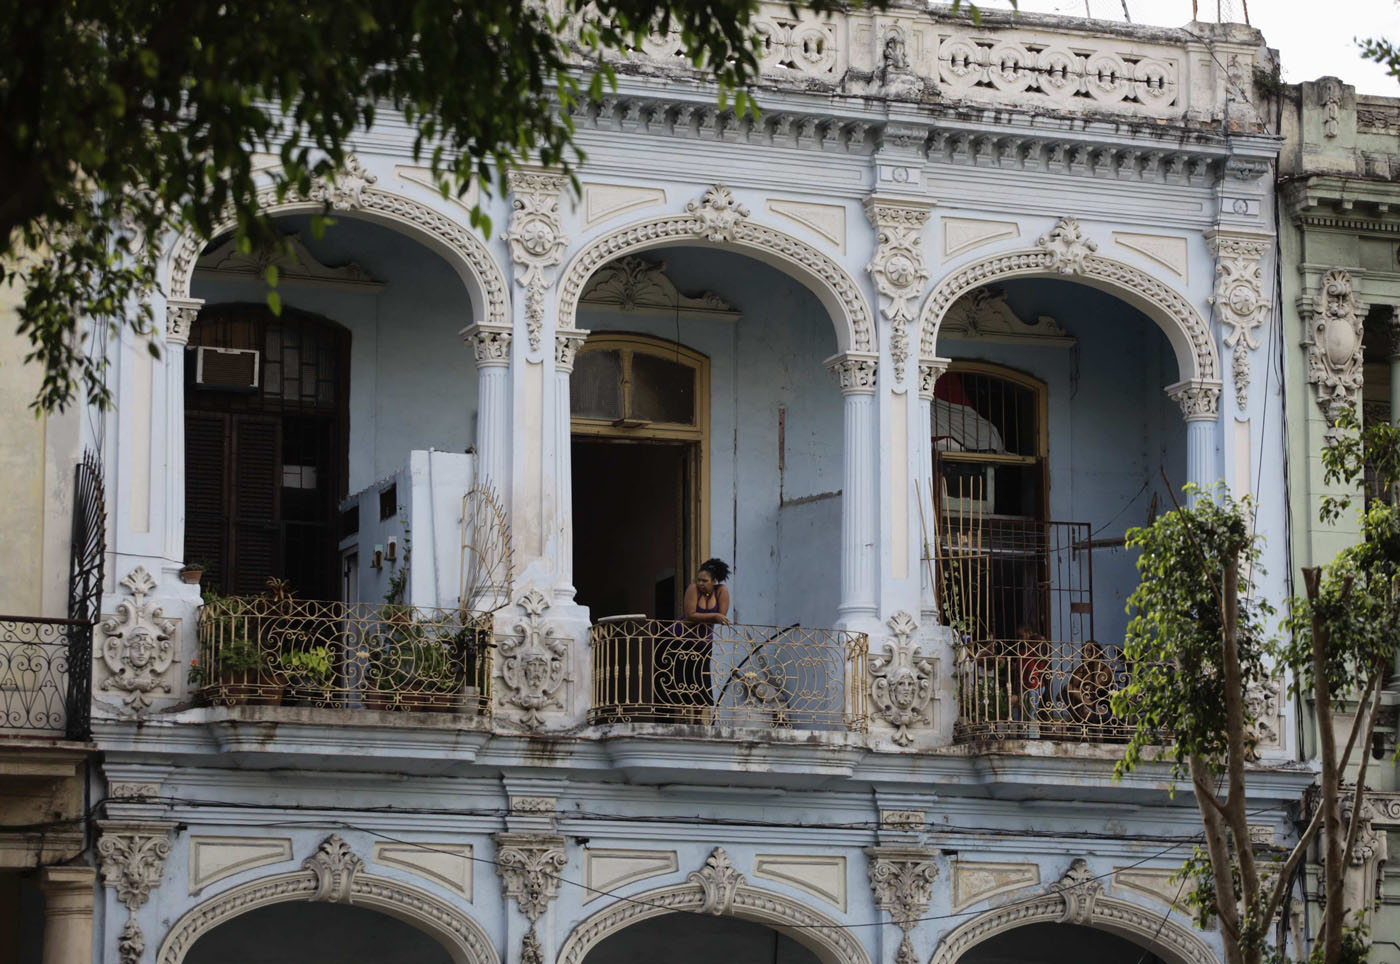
(717, 568)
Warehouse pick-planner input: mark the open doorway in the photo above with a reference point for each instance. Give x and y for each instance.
(640, 419)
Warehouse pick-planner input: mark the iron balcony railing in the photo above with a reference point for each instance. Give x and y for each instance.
(45, 686)
(270, 650)
(1033, 688)
(665, 671)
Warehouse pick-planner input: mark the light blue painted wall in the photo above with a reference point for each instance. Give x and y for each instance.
(412, 381)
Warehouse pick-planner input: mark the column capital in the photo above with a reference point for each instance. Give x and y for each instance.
(67, 890)
(930, 371)
(856, 371)
(567, 342)
(1199, 399)
(133, 858)
(901, 879)
(489, 343)
(180, 314)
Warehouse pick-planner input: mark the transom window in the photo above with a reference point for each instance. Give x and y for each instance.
(624, 382)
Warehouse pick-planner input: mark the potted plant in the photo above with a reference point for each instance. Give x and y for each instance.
(236, 670)
(192, 572)
(310, 673)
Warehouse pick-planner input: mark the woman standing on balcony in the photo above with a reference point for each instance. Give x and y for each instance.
(683, 667)
(707, 598)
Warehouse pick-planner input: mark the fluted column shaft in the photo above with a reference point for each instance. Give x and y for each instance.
(491, 346)
(859, 492)
(567, 342)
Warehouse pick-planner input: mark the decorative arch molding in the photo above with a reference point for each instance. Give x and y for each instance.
(463, 938)
(816, 931)
(484, 278)
(1065, 253)
(717, 217)
(1169, 940)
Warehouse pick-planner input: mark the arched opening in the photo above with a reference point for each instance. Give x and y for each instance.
(705, 423)
(693, 939)
(1046, 943)
(301, 932)
(1052, 435)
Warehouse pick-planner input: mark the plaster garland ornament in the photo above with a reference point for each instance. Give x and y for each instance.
(1068, 246)
(335, 866)
(131, 943)
(532, 662)
(902, 881)
(133, 859)
(901, 680)
(855, 373)
(344, 190)
(898, 269)
(536, 239)
(138, 644)
(1335, 364)
(719, 880)
(529, 866)
(717, 214)
(1239, 297)
(1198, 401)
(490, 344)
(1080, 890)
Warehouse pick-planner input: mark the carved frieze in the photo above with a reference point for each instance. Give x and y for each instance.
(898, 269)
(1240, 299)
(1080, 889)
(902, 680)
(902, 881)
(536, 239)
(1335, 368)
(533, 667)
(719, 880)
(138, 644)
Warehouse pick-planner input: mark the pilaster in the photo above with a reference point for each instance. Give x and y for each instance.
(529, 865)
(901, 877)
(132, 859)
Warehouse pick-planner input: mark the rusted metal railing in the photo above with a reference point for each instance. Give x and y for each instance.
(665, 671)
(270, 650)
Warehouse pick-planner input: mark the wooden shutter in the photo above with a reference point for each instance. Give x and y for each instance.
(206, 493)
(257, 536)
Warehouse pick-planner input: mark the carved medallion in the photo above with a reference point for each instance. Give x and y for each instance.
(533, 667)
(1334, 348)
(902, 680)
(138, 645)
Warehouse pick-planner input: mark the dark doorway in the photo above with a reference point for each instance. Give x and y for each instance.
(631, 523)
(265, 448)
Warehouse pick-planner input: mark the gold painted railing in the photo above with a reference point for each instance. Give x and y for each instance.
(1040, 689)
(664, 671)
(267, 650)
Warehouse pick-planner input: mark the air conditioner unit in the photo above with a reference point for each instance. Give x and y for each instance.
(227, 369)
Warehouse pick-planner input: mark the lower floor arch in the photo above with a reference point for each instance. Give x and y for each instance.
(687, 925)
(1037, 931)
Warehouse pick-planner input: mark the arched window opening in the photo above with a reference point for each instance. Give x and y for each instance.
(301, 932)
(691, 939)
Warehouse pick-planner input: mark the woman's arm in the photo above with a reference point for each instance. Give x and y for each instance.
(692, 603)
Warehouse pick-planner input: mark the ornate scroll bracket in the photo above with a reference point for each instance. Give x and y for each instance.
(335, 866)
(536, 239)
(902, 881)
(529, 866)
(1068, 246)
(1080, 890)
(138, 645)
(902, 679)
(1239, 297)
(717, 214)
(898, 269)
(344, 190)
(132, 860)
(719, 880)
(533, 666)
(1335, 368)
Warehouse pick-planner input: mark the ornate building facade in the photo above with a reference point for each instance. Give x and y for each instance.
(911, 350)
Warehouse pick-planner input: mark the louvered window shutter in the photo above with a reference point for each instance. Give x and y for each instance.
(257, 535)
(206, 494)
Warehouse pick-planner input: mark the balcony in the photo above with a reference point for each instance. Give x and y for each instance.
(44, 677)
(270, 650)
(661, 671)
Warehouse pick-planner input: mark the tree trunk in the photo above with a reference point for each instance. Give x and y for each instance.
(1333, 836)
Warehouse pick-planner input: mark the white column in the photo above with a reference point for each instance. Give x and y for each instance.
(491, 346)
(567, 342)
(859, 491)
(1200, 404)
(68, 901)
(930, 370)
(180, 314)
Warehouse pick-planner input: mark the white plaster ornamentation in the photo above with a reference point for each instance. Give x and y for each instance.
(719, 880)
(1262, 704)
(295, 264)
(533, 668)
(344, 190)
(717, 216)
(607, 870)
(902, 880)
(138, 644)
(984, 315)
(335, 866)
(1198, 401)
(855, 373)
(567, 342)
(975, 881)
(132, 861)
(1068, 246)
(180, 314)
(131, 943)
(637, 284)
(898, 269)
(1335, 368)
(902, 680)
(536, 239)
(490, 344)
(1240, 298)
(930, 371)
(1080, 889)
(529, 865)
(823, 877)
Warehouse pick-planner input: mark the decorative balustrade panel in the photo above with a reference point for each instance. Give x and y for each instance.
(268, 650)
(36, 676)
(1040, 689)
(661, 671)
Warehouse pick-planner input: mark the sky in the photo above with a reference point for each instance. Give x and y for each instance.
(1310, 45)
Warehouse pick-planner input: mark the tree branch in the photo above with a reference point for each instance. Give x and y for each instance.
(1359, 794)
